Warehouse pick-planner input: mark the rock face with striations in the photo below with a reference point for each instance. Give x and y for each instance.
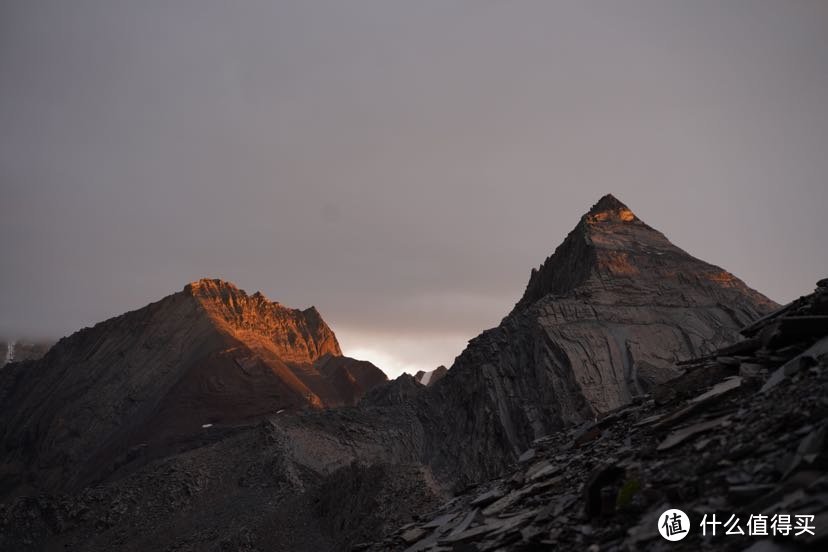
(602, 320)
(146, 381)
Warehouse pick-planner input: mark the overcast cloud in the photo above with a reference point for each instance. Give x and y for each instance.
(400, 165)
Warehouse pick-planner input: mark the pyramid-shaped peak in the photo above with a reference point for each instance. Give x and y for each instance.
(607, 202)
(610, 208)
(611, 248)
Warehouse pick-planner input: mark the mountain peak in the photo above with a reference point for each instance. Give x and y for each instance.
(609, 208)
(611, 248)
(607, 201)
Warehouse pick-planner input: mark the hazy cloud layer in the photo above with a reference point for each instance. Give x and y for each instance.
(401, 165)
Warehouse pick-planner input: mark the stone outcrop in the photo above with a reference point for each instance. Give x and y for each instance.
(149, 381)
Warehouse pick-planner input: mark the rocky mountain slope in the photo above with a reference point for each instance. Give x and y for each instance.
(603, 320)
(146, 383)
(742, 432)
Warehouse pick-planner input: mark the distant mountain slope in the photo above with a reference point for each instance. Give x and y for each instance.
(149, 381)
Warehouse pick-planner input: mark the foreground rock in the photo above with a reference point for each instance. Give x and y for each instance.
(741, 432)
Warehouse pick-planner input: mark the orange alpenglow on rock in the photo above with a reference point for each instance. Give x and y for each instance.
(292, 334)
(609, 208)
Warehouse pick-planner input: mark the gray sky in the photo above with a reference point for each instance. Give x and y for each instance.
(400, 165)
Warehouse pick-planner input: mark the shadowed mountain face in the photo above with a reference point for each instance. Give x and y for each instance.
(602, 320)
(150, 379)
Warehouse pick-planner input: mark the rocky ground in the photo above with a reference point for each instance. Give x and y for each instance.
(742, 433)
